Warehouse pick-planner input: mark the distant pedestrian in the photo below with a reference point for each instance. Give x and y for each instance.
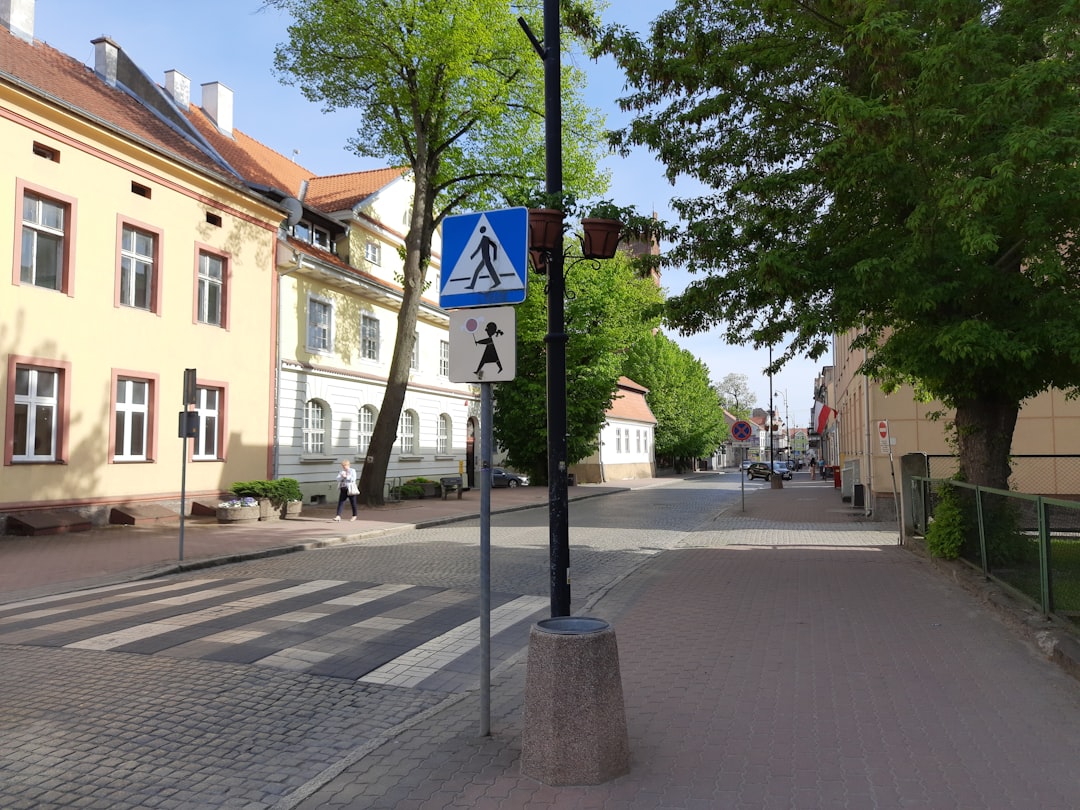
(347, 489)
(813, 467)
(821, 468)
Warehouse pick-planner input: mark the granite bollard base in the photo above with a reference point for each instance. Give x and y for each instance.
(575, 720)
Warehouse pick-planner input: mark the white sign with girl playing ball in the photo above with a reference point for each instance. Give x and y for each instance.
(483, 345)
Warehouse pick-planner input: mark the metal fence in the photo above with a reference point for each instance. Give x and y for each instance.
(1030, 543)
(1058, 476)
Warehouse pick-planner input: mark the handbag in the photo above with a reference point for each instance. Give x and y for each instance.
(352, 489)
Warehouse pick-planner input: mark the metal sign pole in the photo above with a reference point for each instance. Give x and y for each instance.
(187, 429)
(183, 491)
(485, 558)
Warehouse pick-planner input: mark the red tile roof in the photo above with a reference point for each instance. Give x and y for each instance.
(629, 403)
(339, 192)
(256, 162)
(261, 165)
(39, 68)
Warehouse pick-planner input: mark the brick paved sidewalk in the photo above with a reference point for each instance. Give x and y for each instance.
(761, 673)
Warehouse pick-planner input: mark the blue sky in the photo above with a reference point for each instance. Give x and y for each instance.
(232, 41)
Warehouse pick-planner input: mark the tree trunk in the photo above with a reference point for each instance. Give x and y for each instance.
(417, 255)
(984, 433)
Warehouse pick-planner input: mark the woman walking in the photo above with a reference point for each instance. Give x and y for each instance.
(347, 489)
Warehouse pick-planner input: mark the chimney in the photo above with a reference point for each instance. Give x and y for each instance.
(18, 17)
(217, 102)
(106, 54)
(178, 86)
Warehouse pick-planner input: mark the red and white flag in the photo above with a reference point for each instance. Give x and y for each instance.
(822, 413)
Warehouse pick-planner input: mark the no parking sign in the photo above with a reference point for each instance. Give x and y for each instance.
(741, 431)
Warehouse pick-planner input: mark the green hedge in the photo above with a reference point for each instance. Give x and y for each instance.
(279, 492)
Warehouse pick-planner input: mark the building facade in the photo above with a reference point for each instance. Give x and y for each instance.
(150, 237)
(136, 254)
(627, 447)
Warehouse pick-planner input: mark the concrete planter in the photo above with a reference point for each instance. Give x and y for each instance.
(237, 514)
(267, 511)
(291, 509)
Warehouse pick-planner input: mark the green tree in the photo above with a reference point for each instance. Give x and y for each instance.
(609, 308)
(907, 170)
(735, 394)
(689, 421)
(453, 90)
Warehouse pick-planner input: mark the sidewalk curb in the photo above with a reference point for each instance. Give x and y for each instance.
(292, 548)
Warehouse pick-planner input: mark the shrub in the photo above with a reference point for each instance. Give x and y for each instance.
(278, 492)
(945, 534)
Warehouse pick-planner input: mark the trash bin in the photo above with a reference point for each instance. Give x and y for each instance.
(571, 479)
(575, 719)
(836, 477)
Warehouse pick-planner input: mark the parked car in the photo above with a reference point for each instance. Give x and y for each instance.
(507, 478)
(782, 469)
(758, 469)
(746, 463)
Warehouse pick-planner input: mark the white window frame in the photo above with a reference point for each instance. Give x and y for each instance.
(365, 421)
(320, 335)
(128, 413)
(373, 252)
(132, 263)
(407, 424)
(414, 360)
(314, 429)
(320, 237)
(42, 410)
(38, 229)
(369, 337)
(444, 358)
(209, 404)
(209, 284)
(443, 437)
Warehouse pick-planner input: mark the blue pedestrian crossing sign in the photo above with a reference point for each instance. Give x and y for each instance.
(485, 258)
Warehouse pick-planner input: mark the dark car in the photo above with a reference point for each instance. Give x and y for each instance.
(783, 469)
(759, 469)
(506, 478)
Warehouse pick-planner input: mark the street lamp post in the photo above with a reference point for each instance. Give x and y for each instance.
(549, 250)
(556, 338)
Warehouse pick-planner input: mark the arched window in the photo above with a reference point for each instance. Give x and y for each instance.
(407, 433)
(314, 427)
(445, 434)
(367, 427)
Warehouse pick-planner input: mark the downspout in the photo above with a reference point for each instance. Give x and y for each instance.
(298, 261)
(869, 456)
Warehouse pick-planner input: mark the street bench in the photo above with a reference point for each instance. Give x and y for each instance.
(448, 484)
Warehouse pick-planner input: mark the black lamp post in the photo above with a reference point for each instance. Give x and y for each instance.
(549, 250)
(558, 515)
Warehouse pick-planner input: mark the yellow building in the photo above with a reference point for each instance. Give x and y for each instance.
(339, 266)
(136, 253)
(1045, 450)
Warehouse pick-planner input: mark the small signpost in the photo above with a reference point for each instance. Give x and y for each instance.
(188, 429)
(883, 436)
(741, 431)
(485, 266)
(886, 447)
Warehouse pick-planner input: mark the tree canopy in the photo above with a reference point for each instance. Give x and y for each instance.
(735, 394)
(689, 421)
(906, 170)
(609, 308)
(453, 90)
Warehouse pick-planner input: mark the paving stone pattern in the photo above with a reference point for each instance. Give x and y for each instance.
(788, 656)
